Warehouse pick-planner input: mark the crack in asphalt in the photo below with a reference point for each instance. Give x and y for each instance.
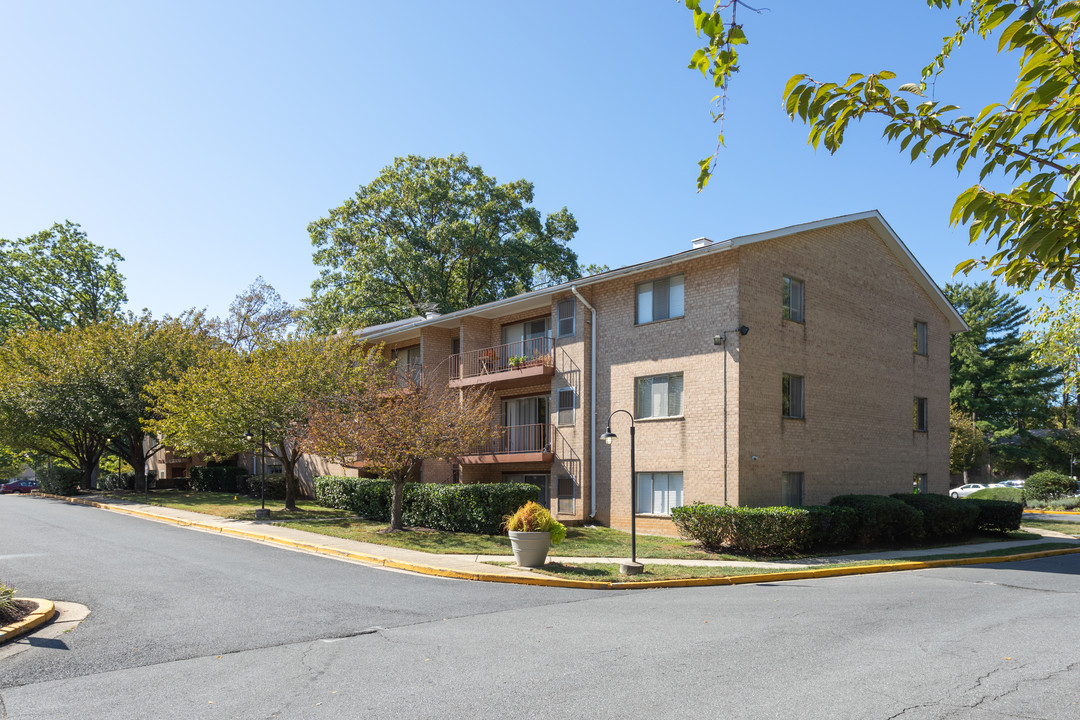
(912, 707)
(3, 709)
(1022, 587)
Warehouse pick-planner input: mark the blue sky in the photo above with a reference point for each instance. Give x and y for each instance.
(199, 139)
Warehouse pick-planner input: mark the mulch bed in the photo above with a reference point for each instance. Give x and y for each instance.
(22, 609)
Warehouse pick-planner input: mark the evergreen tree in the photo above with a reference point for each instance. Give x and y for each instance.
(991, 366)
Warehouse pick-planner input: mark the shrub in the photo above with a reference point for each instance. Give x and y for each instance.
(534, 517)
(833, 525)
(215, 479)
(477, 508)
(7, 597)
(943, 516)
(251, 485)
(1070, 503)
(1002, 493)
(772, 530)
(882, 519)
(60, 481)
(997, 515)
(368, 499)
(1049, 485)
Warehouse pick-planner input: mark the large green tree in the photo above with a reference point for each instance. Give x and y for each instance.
(256, 316)
(1056, 335)
(991, 366)
(268, 391)
(433, 234)
(56, 278)
(1027, 136)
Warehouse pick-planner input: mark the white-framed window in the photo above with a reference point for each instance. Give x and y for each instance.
(658, 492)
(919, 483)
(793, 396)
(564, 492)
(920, 337)
(920, 414)
(658, 396)
(793, 299)
(660, 299)
(567, 315)
(566, 405)
(791, 489)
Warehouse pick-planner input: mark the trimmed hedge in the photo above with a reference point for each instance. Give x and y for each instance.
(60, 481)
(1049, 485)
(477, 508)
(251, 485)
(943, 516)
(997, 515)
(882, 519)
(215, 479)
(769, 530)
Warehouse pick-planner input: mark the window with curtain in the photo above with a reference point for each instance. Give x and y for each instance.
(660, 299)
(658, 492)
(659, 396)
(567, 313)
(920, 338)
(791, 489)
(793, 299)
(793, 396)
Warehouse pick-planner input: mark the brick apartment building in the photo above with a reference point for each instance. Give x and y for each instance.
(840, 383)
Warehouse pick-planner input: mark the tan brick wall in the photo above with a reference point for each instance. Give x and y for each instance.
(692, 444)
(855, 352)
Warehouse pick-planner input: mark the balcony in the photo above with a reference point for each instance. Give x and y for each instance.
(516, 364)
(515, 444)
(171, 459)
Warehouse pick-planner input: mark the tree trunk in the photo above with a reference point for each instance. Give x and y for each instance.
(397, 492)
(292, 485)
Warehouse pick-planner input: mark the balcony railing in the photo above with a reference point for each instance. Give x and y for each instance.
(518, 355)
(527, 442)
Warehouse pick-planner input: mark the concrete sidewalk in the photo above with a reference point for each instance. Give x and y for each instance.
(471, 566)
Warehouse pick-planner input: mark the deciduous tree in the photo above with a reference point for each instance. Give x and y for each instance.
(433, 234)
(1056, 335)
(394, 423)
(257, 316)
(1027, 136)
(210, 407)
(57, 278)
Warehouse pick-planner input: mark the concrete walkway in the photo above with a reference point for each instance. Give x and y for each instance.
(468, 565)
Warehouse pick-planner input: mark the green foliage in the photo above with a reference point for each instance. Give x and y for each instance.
(967, 443)
(991, 368)
(59, 480)
(833, 525)
(882, 519)
(433, 234)
(477, 508)
(943, 517)
(1056, 336)
(215, 479)
(7, 598)
(997, 515)
(1028, 138)
(1008, 494)
(256, 317)
(534, 517)
(1049, 485)
(57, 278)
(770, 531)
(251, 485)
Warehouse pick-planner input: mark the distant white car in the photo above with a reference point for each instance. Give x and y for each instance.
(965, 490)
(1013, 483)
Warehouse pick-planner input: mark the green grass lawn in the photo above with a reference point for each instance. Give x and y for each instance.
(228, 505)
(609, 572)
(1061, 526)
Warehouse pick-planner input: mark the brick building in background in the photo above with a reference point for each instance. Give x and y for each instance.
(840, 383)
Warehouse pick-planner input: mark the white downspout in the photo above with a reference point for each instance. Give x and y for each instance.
(592, 404)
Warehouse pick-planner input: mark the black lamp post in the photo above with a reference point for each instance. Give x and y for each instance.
(261, 513)
(633, 567)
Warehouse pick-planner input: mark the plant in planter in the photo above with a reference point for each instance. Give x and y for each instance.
(516, 362)
(532, 531)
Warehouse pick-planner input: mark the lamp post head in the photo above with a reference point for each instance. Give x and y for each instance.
(249, 437)
(608, 436)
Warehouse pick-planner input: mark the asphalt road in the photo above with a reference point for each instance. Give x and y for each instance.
(193, 625)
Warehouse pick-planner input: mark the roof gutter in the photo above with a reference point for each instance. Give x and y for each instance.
(592, 404)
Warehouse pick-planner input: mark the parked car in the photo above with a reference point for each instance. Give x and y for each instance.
(965, 490)
(1013, 483)
(20, 486)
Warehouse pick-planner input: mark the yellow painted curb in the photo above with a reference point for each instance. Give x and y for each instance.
(44, 613)
(1052, 512)
(548, 581)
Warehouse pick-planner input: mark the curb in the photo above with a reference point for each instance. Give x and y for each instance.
(548, 581)
(45, 612)
(1052, 512)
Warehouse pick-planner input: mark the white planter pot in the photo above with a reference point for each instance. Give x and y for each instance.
(530, 548)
